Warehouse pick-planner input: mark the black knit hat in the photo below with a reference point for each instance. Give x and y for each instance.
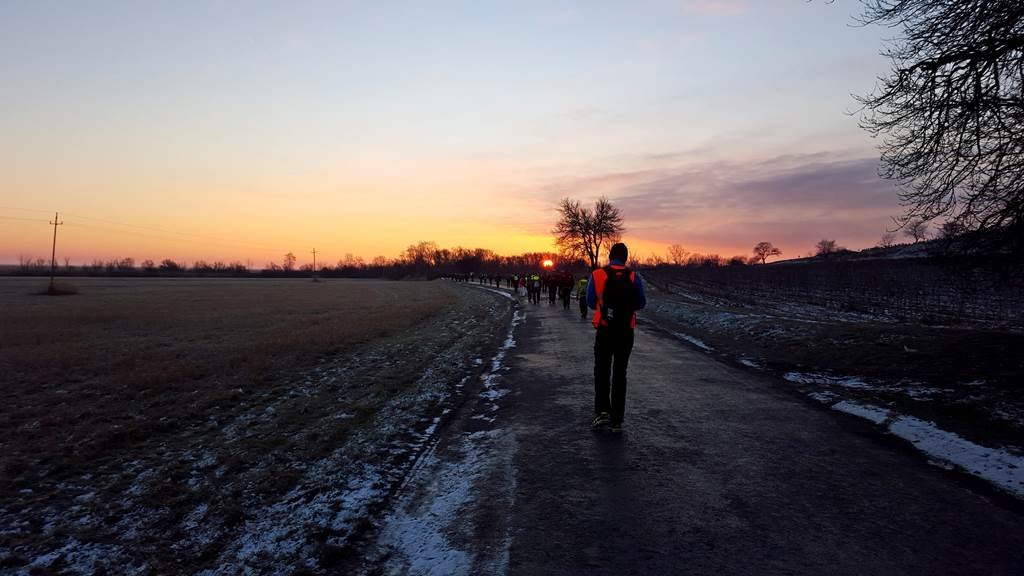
(619, 252)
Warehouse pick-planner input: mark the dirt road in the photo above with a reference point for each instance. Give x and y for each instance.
(718, 471)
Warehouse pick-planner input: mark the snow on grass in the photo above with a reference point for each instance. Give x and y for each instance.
(819, 379)
(866, 411)
(693, 340)
(199, 529)
(491, 379)
(824, 397)
(751, 364)
(280, 532)
(1000, 467)
(82, 558)
(921, 392)
(1009, 413)
(339, 492)
(419, 532)
(912, 390)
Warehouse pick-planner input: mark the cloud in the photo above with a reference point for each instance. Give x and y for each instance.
(792, 200)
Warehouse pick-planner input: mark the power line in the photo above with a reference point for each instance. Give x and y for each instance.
(162, 233)
(23, 219)
(165, 231)
(171, 239)
(16, 209)
(212, 239)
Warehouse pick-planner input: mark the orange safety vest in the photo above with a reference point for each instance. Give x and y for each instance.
(600, 277)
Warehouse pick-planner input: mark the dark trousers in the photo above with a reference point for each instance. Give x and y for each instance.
(611, 357)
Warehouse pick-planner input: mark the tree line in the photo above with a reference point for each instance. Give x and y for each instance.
(423, 259)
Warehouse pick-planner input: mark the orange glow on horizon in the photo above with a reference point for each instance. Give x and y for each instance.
(260, 243)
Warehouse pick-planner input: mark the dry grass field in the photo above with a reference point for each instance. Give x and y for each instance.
(104, 366)
(137, 402)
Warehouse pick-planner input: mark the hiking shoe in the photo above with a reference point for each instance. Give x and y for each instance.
(615, 428)
(602, 419)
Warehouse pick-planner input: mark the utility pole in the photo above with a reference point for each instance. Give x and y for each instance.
(314, 261)
(53, 254)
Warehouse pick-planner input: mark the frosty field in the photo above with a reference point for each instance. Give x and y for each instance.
(166, 425)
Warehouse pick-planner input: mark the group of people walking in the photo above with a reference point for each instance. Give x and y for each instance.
(614, 293)
(559, 286)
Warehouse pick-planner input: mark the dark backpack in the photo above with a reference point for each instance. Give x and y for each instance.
(618, 300)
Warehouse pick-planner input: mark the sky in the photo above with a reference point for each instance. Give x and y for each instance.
(243, 130)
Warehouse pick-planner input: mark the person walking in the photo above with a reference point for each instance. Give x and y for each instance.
(535, 288)
(615, 293)
(565, 284)
(581, 295)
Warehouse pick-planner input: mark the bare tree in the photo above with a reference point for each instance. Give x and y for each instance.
(737, 261)
(289, 262)
(583, 232)
(952, 111)
(653, 260)
(825, 247)
(762, 250)
(950, 230)
(916, 230)
(888, 240)
(705, 260)
(677, 255)
(350, 261)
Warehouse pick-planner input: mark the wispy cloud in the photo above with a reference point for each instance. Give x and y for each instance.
(792, 200)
